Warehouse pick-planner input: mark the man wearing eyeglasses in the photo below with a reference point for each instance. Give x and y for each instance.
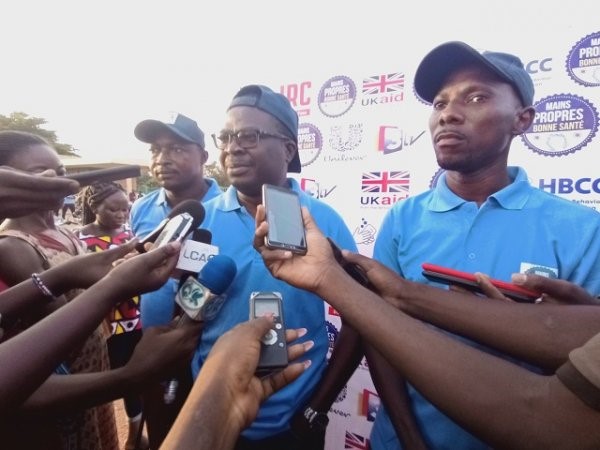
(258, 145)
(177, 158)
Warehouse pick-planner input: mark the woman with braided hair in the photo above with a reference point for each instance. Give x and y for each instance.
(105, 209)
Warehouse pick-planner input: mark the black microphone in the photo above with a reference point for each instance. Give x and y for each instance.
(202, 298)
(195, 215)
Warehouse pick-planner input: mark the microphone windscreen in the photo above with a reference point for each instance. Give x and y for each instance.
(193, 207)
(218, 274)
(202, 235)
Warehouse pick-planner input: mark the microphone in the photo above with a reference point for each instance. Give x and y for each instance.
(188, 213)
(202, 298)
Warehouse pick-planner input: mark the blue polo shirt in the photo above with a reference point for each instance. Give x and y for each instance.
(233, 232)
(157, 307)
(518, 228)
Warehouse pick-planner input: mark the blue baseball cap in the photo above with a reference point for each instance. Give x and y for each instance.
(445, 59)
(182, 127)
(277, 105)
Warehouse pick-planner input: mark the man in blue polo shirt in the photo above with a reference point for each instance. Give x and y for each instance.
(482, 216)
(177, 157)
(258, 145)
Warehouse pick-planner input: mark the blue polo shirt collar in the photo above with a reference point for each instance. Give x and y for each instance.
(513, 196)
(230, 202)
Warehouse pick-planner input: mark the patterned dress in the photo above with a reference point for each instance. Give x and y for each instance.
(125, 316)
(94, 428)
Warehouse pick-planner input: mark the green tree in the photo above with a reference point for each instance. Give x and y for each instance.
(214, 170)
(146, 183)
(20, 121)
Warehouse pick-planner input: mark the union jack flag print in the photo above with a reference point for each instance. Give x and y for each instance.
(381, 84)
(356, 441)
(398, 181)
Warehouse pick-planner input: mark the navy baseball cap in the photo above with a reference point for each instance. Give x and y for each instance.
(443, 60)
(277, 105)
(182, 127)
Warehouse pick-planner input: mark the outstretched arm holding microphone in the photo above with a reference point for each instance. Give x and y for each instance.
(48, 342)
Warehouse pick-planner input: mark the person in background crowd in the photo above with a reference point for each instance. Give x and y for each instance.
(68, 205)
(500, 402)
(29, 245)
(177, 158)
(482, 216)
(105, 210)
(258, 145)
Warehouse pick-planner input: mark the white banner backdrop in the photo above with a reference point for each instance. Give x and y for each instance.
(364, 145)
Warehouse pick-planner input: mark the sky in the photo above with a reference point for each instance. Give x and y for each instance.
(94, 70)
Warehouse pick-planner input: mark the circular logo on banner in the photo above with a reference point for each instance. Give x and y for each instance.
(310, 143)
(436, 176)
(336, 96)
(583, 61)
(563, 124)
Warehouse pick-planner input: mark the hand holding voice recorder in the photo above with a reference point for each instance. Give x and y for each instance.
(273, 348)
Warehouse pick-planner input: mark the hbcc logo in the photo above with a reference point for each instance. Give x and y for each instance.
(539, 65)
(568, 186)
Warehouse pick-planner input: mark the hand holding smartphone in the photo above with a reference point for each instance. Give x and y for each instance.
(284, 216)
(468, 281)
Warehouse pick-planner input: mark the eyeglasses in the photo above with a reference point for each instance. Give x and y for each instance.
(246, 138)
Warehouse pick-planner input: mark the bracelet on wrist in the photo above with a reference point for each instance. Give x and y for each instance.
(37, 281)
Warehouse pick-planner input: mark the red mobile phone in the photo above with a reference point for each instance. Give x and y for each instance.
(468, 281)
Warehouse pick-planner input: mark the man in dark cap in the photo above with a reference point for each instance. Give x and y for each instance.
(482, 216)
(258, 145)
(177, 158)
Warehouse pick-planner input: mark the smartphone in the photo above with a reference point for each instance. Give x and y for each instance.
(284, 216)
(468, 281)
(273, 348)
(112, 174)
(176, 229)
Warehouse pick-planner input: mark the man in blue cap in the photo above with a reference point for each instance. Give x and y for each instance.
(482, 216)
(258, 145)
(177, 158)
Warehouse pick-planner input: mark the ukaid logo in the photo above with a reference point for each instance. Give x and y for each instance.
(563, 124)
(310, 143)
(583, 61)
(337, 96)
(382, 89)
(356, 441)
(383, 189)
(392, 139)
(299, 96)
